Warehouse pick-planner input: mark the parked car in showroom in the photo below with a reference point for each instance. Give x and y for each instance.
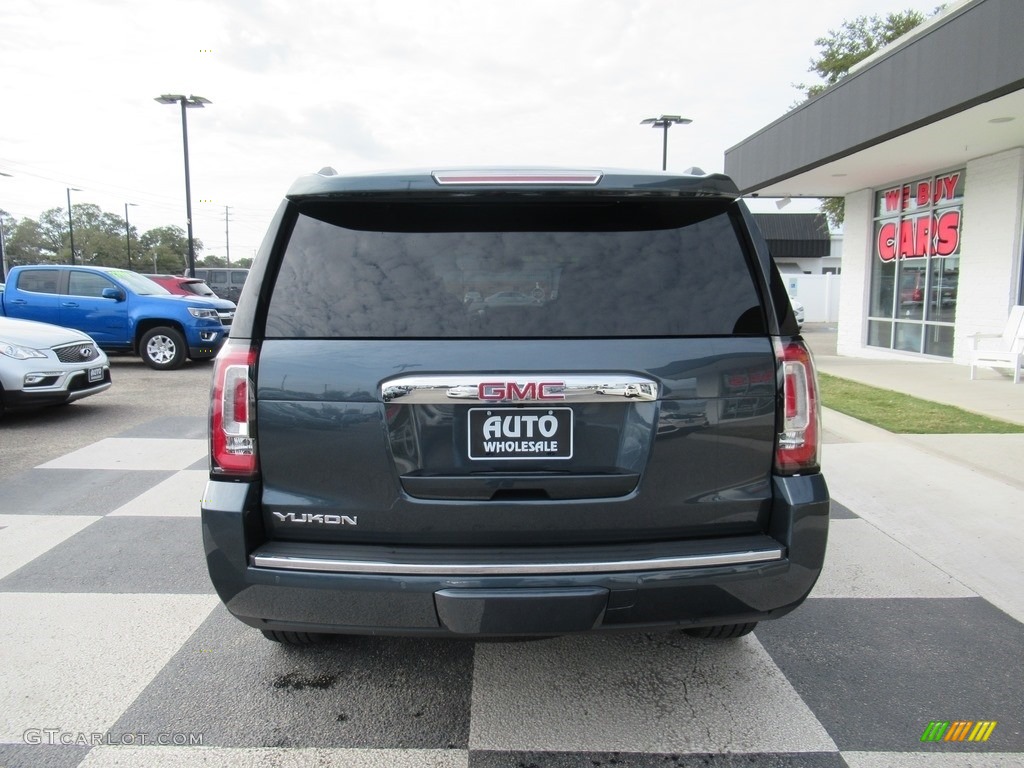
(179, 285)
(43, 364)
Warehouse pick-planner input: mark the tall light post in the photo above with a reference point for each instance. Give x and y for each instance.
(71, 226)
(665, 122)
(128, 233)
(186, 102)
(3, 245)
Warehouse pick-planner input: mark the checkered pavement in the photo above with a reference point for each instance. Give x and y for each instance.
(116, 652)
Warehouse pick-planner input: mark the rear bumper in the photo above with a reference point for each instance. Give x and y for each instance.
(684, 584)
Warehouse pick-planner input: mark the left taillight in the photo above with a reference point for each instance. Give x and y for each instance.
(798, 448)
(232, 412)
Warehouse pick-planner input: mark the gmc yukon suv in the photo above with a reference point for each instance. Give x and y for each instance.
(513, 403)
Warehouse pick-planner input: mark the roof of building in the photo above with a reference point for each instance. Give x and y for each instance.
(910, 110)
(795, 235)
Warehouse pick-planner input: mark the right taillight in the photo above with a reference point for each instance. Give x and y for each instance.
(799, 441)
(232, 442)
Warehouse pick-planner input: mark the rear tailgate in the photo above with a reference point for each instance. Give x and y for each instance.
(515, 371)
(343, 461)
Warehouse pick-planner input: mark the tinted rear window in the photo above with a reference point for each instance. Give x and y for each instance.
(505, 271)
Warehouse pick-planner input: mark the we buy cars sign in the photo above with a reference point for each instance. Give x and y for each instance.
(930, 233)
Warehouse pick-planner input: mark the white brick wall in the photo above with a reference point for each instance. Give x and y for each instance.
(853, 291)
(990, 245)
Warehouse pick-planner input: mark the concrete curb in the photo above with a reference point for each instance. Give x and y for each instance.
(853, 430)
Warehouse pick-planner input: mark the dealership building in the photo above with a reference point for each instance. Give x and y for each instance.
(925, 141)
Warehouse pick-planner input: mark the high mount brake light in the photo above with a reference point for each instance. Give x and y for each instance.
(799, 441)
(446, 178)
(232, 444)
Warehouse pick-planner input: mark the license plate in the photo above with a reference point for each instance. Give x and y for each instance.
(503, 434)
(95, 374)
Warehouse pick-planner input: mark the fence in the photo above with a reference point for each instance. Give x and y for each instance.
(818, 293)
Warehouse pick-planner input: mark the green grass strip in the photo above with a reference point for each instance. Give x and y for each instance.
(896, 412)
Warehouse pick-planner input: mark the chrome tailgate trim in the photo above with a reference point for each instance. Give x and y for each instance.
(282, 556)
(494, 389)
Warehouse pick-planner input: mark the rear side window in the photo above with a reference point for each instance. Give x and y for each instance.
(199, 288)
(38, 280)
(529, 273)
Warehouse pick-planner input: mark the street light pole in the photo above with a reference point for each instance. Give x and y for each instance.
(186, 102)
(3, 245)
(665, 122)
(128, 233)
(71, 226)
(3, 253)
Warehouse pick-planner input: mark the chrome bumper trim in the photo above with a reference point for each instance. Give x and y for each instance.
(384, 568)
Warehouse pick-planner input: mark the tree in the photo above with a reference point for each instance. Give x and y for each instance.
(166, 248)
(54, 236)
(7, 224)
(99, 237)
(24, 244)
(220, 261)
(840, 50)
(212, 261)
(834, 209)
(100, 240)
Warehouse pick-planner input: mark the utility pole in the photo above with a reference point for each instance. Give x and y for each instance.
(3, 247)
(128, 233)
(3, 251)
(227, 239)
(71, 226)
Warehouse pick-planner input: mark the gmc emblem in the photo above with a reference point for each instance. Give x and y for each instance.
(495, 391)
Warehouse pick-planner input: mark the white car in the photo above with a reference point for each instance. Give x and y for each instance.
(798, 312)
(43, 364)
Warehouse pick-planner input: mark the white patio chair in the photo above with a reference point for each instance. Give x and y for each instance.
(1004, 350)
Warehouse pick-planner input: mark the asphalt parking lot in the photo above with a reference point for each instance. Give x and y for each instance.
(139, 395)
(116, 651)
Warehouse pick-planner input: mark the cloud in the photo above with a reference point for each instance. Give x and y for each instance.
(370, 84)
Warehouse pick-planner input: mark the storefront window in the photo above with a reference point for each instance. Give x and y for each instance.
(916, 265)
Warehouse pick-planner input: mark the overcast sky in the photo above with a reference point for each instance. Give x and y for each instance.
(373, 85)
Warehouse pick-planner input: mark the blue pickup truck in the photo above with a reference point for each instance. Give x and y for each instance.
(122, 311)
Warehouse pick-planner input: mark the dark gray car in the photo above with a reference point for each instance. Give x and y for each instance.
(631, 444)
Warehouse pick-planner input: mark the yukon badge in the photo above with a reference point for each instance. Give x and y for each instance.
(308, 517)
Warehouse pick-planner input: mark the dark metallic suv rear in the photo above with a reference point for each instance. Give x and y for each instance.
(513, 403)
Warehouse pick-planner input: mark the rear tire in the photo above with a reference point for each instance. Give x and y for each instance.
(290, 638)
(722, 631)
(162, 348)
